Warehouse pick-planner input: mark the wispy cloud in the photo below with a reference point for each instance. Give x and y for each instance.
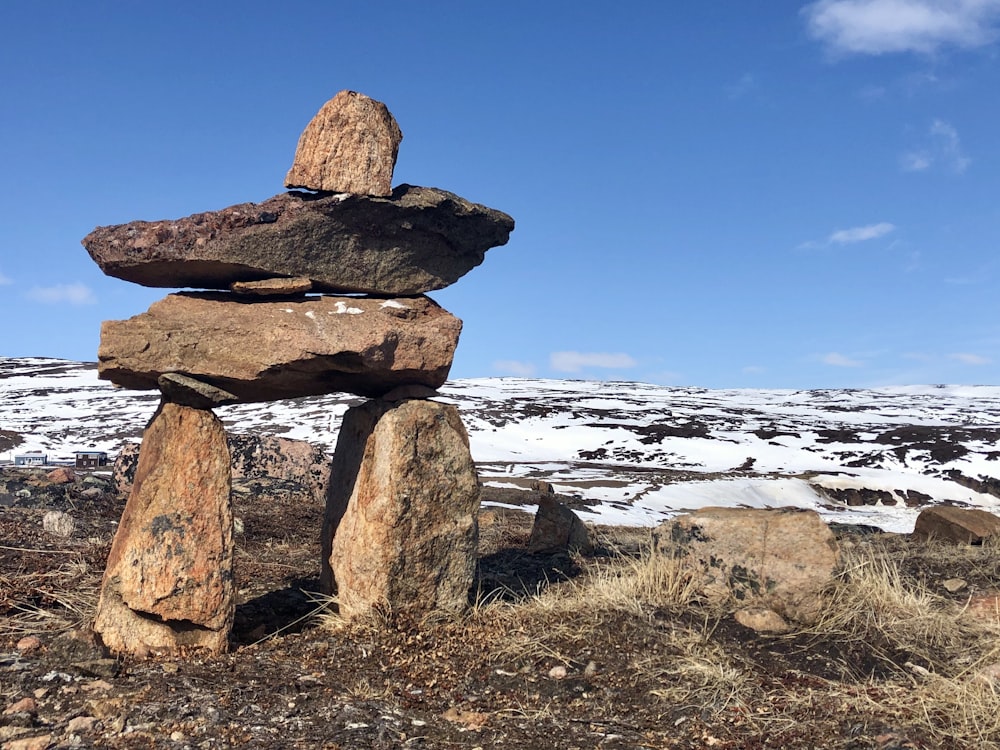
(745, 86)
(513, 367)
(73, 294)
(576, 361)
(851, 236)
(943, 148)
(878, 27)
(5, 280)
(835, 359)
(970, 359)
(860, 234)
(754, 370)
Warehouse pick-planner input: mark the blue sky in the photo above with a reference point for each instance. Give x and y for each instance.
(721, 194)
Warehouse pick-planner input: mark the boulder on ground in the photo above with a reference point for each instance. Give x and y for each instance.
(414, 241)
(558, 529)
(350, 146)
(947, 523)
(778, 559)
(169, 578)
(400, 529)
(262, 351)
(62, 475)
(59, 523)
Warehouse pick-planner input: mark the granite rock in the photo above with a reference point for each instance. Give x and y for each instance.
(349, 146)
(413, 241)
(262, 351)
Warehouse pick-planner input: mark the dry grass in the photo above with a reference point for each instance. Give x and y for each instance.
(56, 600)
(638, 615)
(933, 651)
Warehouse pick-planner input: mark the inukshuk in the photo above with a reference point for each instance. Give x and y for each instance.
(305, 293)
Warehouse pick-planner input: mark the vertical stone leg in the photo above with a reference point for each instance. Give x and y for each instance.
(169, 579)
(401, 518)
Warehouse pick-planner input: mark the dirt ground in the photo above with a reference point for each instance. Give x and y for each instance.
(293, 678)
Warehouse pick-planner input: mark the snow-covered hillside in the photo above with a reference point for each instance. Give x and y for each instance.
(638, 453)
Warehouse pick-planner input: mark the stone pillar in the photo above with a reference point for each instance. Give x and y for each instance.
(401, 530)
(169, 579)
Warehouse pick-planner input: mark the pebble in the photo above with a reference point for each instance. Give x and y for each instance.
(90, 687)
(29, 644)
(954, 585)
(23, 706)
(558, 672)
(30, 743)
(59, 523)
(82, 724)
(177, 736)
(591, 669)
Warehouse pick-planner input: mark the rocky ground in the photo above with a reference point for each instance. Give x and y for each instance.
(542, 660)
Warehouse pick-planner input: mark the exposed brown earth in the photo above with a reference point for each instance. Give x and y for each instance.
(557, 651)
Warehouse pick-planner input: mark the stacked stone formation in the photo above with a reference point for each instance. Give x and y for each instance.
(302, 294)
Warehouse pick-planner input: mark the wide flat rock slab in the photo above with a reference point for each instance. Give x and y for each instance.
(262, 351)
(413, 241)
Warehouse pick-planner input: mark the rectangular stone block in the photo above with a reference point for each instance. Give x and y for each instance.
(262, 350)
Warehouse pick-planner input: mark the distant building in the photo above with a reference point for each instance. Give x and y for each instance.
(35, 458)
(90, 459)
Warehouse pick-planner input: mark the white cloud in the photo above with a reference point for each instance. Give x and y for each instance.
(915, 161)
(74, 294)
(949, 146)
(970, 359)
(839, 360)
(860, 234)
(850, 236)
(513, 367)
(576, 361)
(943, 148)
(4, 280)
(876, 27)
(754, 370)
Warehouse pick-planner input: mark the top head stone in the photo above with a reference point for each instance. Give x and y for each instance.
(350, 146)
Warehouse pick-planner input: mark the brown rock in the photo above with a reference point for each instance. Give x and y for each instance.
(263, 351)
(169, 579)
(416, 240)
(761, 620)
(180, 389)
(350, 146)
(557, 528)
(947, 523)
(281, 287)
(62, 475)
(23, 706)
(269, 456)
(29, 644)
(82, 724)
(41, 742)
(779, 559)
(985, 607)
(400, 529)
